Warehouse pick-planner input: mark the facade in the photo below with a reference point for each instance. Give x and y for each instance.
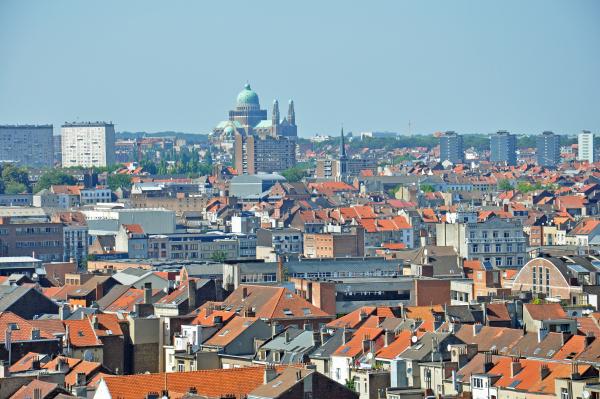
(259, 144)
(88, 144)
(281, 240)
(503, 148)
(202, 246)
(585, 146)
(253, 186)
(548, 149)
(497, 241)
(334, 245)
(27, 145)
(27, 237)
(331, 168)
(451, 147)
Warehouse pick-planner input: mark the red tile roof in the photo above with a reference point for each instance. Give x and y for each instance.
(209, 383)
(22, 330)
(81, 334)
(545, 311)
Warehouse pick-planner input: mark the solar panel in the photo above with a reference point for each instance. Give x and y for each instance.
(346, 349)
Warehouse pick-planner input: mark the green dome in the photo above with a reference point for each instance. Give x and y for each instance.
(229, 130)
(247, 96)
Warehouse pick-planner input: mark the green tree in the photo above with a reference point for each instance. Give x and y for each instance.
(351, 385)
(219, 256)
(504, 185)
(54, 177)
(13, 187)
(116, 181)
(427, 188)
(294, 174)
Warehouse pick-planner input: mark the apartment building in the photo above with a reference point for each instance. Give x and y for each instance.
(31, 237)
(27, 145)
(88, 144)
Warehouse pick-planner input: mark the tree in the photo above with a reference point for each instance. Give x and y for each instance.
(504, 185)
(13, 187)
(54, 177)
(294, 174)
(116, 181)
(351, 385)
(219, 256)
(427, 188)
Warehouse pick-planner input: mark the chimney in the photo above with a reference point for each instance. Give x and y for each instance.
(218, 320)
(488, 362)
(274, 329)
(362, 315)
(542, 333)
(4, 369)
(193, 390)
(209, 309)
(35, 334)
(191, 288)
(346, 335)
(388, 337)
(64, 311)
(270, 373)
(280, 269)
(575, 371)
(147, 293)
(476, 329)
(515, 367)
(95, 322)
(286, 336)
(544, 371)
(367, 344)
(298, 375)
(317, 338)
(62, 365)
(589, 338)
(244, 293)
(80, 379)
(37, 393)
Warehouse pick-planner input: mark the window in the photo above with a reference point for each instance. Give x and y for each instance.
(519, 261)
(471, 234)
(486, 248)
(509, 247)
(495, 234)
(509, 261)
(475, 248)
(506, 234)
(477, 382)
(564, 393)
(180, 365)
(484, 234)
(498, 248)
(498, 261)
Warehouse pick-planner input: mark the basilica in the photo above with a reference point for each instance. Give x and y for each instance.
(259, 144)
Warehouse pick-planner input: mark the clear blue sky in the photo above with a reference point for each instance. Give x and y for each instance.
(469, 66)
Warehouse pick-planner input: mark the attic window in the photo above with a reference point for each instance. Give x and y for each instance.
(224, 333)
(13, 326)
(288, 312)
(306, 311)
(278, 383)
(80, 333)
(288, 295)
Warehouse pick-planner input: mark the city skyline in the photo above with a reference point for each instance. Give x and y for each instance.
(152, 67)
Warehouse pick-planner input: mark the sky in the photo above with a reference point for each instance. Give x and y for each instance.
(469, 66)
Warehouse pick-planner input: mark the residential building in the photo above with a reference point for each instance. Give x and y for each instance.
(503, 148)
(451, 147)
(27, 145)
(75, 235)
(88, 144)
(253, 186)
(282, 241)
(31, 236)
(548, 149)
(334, 245)
(585, 146)
(498, 241)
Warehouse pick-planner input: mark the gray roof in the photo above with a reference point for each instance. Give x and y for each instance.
(428, 343)
(297, 345)
(257, 178)
(329, 346)
(9, 294)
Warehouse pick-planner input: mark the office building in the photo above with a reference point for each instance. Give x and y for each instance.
(451, 148)
(548, 149)
(88, 144)
(27, 145)
(585, 146)
(503, 148)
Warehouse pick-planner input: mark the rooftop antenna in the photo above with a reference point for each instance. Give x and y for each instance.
(409, 128)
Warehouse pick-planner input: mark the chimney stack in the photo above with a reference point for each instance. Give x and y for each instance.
(147, 293)
(191, 294)
(515, 367)
(488, 362)
(270, 373)
(542, 332)
(544, 371)
(388, 337)
(476, 329)
(244, 293)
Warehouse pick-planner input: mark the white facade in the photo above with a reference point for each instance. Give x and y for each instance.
(88, 144)
(585, 146)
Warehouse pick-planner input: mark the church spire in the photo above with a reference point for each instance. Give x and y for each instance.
(342, 145)
(291, 113)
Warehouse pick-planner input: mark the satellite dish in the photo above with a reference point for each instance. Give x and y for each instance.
(586, 394)
(414, 339)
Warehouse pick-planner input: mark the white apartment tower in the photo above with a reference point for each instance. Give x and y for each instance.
(88, 144)
(585, 146)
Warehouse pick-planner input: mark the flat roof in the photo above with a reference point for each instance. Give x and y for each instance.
(17, 259)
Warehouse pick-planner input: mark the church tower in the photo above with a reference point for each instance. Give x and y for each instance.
(343, 159)
(275, 118)
(291, 114)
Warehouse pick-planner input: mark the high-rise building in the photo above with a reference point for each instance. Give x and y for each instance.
(585, 146)
(259, 144)
(88, 144)
(503, 148)
(548, 149)
(451, 147)
(27, 145)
